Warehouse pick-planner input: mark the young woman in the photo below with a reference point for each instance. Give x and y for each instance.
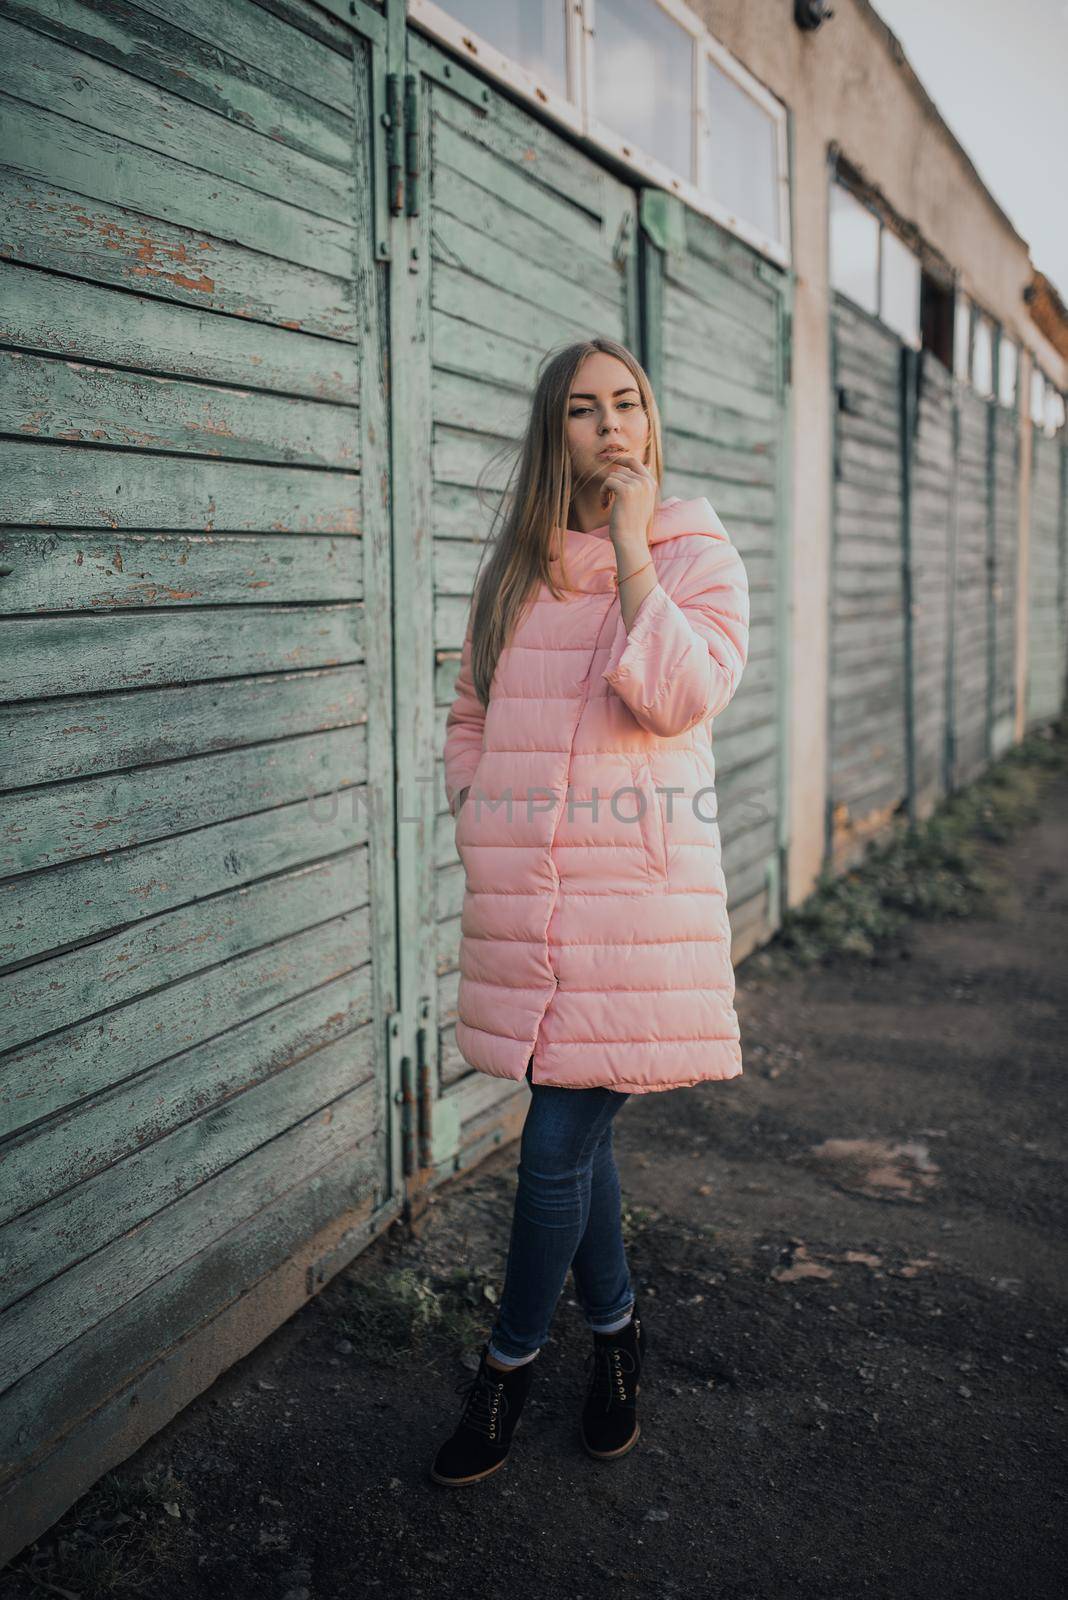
(595, 945)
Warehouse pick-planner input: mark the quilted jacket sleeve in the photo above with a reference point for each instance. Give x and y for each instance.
(463, 729)
(685, 652)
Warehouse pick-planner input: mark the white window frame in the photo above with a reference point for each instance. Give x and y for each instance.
(963, 305)
(983, 320)
(915, 340)
(710, 49)
(1038, 393)
(1051, 415)
(913, 343)
(836, 183)
(1006, 343)
(575, 111)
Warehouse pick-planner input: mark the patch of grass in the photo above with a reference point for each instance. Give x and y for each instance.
(635, 1220)
(120, 1538)
(392, 1316)
(934, 871)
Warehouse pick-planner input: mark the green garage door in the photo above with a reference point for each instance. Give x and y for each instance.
(1005, 536)
(529, 245)
(1046, 590)
(717, 322)
(971, 634)
(931, 502)
(193, 1085)
(867, 777)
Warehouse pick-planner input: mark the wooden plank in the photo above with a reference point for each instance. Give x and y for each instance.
(36, 1329)
(118, 811)
(95, 95)
(55, 150)
(83, 569)
(538, 282)
(80, 403)
(86, 654)
(718, 269)
(55, 1236)
(740, 345)
(500, 308)
(171, 981)
(64, 738)
(477, 189)
(533, 151)
(690, 381)
(99, 489)
(98, 1398)
(78, 1144)
(136, 331)
(196, 69)
(52, 912)
(293, 43)
(96, 242)
(483, 354)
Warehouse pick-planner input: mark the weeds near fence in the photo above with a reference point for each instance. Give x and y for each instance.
(391, 1317)
(938, 870)
(120, 1538)
(388, 1317)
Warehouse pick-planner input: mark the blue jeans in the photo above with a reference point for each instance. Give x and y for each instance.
(568, 1209)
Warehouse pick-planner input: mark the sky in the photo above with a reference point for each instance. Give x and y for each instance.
(999, 76)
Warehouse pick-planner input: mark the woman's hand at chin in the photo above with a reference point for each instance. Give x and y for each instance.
(633, 491)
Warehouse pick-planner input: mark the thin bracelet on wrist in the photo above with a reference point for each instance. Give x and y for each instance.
(617, 580)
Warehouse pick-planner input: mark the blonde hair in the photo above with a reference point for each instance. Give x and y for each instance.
(534, 514)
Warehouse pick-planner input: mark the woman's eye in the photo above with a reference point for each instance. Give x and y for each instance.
(628, 405)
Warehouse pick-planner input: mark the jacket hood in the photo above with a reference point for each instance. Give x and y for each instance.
(672, 518)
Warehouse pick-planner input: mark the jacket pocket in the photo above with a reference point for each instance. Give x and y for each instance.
(654, 833)
(461, 822)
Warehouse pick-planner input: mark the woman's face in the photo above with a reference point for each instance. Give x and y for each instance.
(604, 412)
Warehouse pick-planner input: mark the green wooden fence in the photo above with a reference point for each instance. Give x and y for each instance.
(924, 582)
(198, 962)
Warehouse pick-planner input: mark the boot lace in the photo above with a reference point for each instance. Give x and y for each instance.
(607, 1370)
(485, 1404)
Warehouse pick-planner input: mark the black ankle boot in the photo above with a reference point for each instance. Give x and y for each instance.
(610, 1425)
(483, 1435)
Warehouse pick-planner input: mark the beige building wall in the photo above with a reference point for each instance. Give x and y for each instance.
(847, 84)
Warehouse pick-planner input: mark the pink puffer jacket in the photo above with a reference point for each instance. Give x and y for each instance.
(594, 933)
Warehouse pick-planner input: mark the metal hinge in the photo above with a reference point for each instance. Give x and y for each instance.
(391, 119)
(439, 1115)
(401, 1078)
(411, 141)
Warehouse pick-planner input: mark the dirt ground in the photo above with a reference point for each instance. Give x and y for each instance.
(852, 1261)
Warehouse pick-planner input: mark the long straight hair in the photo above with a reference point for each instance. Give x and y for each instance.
(534, 514)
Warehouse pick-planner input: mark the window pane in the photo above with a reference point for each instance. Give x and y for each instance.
(741, 166)
(1038, 397)
(643, 80)
(1007, 372)
(1054, 409)
(854, 249)
(983, 356)
(530, 32)
(962, 354)
(901, 288)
